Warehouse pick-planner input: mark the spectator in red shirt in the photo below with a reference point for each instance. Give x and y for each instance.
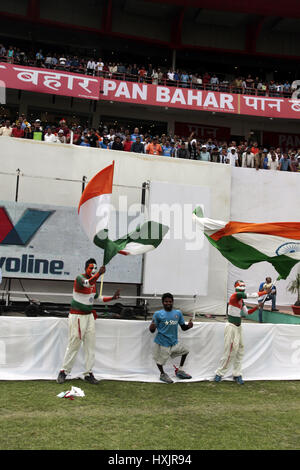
(127, 143)
(254, 148)
(206, 79)
(142, 74)
(18, 131)
(105, 70)
(63, 126)
(294, 164)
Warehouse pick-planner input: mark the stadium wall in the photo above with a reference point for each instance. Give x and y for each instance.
(51, 174)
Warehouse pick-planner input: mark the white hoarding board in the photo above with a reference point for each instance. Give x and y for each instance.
(47, 242)
(180, 264)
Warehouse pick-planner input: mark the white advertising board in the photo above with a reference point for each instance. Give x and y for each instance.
(180, 264)
(40, 241)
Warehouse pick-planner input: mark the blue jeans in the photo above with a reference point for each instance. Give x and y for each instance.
(271, 297)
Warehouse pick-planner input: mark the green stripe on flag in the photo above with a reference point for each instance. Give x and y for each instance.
(198, 212)
(149, 234)
(243, 256)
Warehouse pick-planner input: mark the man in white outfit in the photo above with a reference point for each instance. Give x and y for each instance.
(233, 340)
(82, 321)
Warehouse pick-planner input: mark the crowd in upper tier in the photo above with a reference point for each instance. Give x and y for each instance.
(149, 73)
(246, 153)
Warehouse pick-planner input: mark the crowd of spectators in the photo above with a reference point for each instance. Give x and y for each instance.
(148, 73)
(246, 153)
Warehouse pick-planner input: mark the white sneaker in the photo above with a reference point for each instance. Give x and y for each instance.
(165, 378)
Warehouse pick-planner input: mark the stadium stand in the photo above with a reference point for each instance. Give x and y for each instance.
(140, 73)
(206, 46)
(245, 153)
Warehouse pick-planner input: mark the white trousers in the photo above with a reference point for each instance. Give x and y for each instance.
(81, 331)
(233, 351)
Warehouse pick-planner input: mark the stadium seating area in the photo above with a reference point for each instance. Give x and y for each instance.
(246, 153)
(250, 85)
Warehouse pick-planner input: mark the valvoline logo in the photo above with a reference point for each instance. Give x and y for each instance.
(26, 227)
(21, 234)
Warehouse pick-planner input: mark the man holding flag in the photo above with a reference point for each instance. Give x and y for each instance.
(244, 244)
(82, 321)
(233, 341)
(94, 212)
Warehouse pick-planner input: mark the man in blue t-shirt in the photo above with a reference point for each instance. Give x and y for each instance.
(168, 151)
(284, 163)
(166, 343)
(136, 133)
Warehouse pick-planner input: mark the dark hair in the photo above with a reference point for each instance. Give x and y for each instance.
(90, 261)
(167, 295)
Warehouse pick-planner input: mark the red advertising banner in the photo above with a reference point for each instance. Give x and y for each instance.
(50, 81)
(201, 100)
(282, 139)
(58, 82)
(266, 106)
(170, 97)
(202, 131)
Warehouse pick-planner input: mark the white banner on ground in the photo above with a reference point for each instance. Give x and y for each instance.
(33, 349)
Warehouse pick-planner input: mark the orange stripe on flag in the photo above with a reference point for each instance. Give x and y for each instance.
(100, 184)
(278, 229)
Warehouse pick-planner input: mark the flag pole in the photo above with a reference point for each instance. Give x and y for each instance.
(101, 283)
(102, 275)
(266, 295)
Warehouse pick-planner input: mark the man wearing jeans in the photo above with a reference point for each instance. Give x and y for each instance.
(271, 296)
(166, 343)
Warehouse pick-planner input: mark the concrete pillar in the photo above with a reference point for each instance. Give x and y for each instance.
(95, 115)
(23, 105)
(171, 126)
(174, 59)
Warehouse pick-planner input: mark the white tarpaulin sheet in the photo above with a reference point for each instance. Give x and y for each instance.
(33, 348)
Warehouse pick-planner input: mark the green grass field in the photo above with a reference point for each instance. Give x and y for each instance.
(117, 415)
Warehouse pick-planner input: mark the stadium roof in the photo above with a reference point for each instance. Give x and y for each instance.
(254, 7)
(175, 20)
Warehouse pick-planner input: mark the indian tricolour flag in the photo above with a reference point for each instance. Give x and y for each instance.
(244, 244)
(95, 203)
(94, 211)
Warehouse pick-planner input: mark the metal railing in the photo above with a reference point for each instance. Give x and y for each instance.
(225, 86)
